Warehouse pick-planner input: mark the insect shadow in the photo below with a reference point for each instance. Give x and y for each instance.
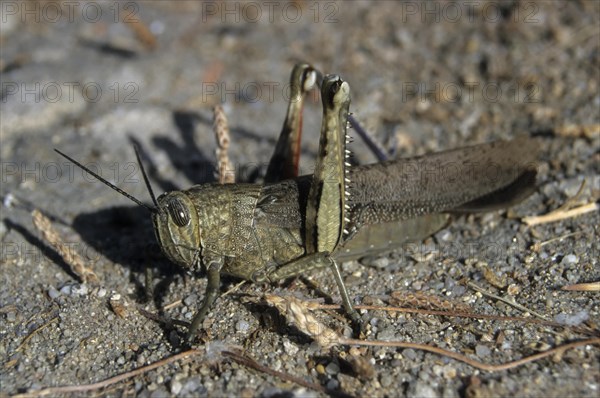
(125, 236)
(188, 159)
(46, 250)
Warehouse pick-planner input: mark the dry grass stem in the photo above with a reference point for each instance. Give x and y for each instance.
(583, 287)
(558, 215)
(139, 28)
(174, 304)
(71, 258)
(234, 288)
(425, 301)
(538, 245)
(579, 130)
(297, 312)
(567, 210)
(225, 168)
(510, 302)
(36, 331)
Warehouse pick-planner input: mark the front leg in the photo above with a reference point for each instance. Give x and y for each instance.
(210, 295)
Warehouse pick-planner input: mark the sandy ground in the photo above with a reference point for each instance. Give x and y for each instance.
(424, 77)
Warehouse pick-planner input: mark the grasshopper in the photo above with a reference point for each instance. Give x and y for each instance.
(294, 224)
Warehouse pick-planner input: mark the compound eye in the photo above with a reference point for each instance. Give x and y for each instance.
(179, 213)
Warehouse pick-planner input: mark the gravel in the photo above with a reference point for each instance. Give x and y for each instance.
(404, 67)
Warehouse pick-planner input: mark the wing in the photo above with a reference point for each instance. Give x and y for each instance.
(475, 178)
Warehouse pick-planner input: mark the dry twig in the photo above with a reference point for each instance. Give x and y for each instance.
(71, 258)
(298, 314)
(454, 313)
(111, 380)
(251, 363)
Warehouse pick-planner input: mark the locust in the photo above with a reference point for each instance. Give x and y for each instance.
(292, 224)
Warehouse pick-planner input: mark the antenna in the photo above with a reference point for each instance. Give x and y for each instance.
(137, 155)
(114, 187)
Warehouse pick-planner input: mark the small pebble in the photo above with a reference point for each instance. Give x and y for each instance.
(513, 289)
(459, 290)
(101, 292)
(192, 385)
(191, 300)
(449, 283)
(11, 316)
(176, 387)
(242, 326)
(66, 290)
(386, 380)
(423, 389)
(80, 290)
(320, 369)
(290, 348)
(572, 320)
(410, 354)
(482, 351)
(332, 368)
(437, 370)
(449, 372)
(160, 392)
(444, 235)
(387, 334)
(382, 262)
(333, 384)
(569, 259)
(272, 392)
(571, 187)
(53, 293)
